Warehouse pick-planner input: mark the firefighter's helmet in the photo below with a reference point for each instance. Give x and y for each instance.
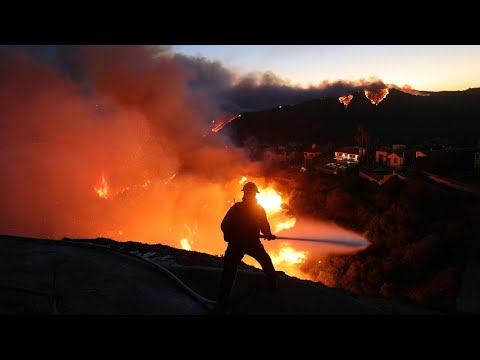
(250, 187)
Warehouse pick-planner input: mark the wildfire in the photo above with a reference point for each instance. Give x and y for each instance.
(272, 202)
(101, 188)
(289, 256)
(287, 224)
(221, 122)
(185, 244)
(286, 259)
(345, 100)
(376, 96)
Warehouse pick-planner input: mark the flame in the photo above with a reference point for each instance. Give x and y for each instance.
(345, 100)
(273, 203)
(376, 96)
(287, 224)
(289, 256)
(286, 259)
(101, 188)
(185, 244)
(222, 121)
(270, 200)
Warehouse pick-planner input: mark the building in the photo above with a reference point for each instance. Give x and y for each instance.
(391, 158)
(420, 154)
(350, 155)
(395, 160)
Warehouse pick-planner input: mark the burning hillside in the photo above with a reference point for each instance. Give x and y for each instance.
(122, 157)
(345, 100)
(376, 96)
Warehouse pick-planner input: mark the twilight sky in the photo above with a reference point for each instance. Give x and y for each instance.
(423, 67)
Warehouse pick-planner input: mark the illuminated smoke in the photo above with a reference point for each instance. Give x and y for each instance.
(119, 154)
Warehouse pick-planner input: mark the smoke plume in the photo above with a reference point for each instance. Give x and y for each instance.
(128, 115)
(135, 121)
(258, 91)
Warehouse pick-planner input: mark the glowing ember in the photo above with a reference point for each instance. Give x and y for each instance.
(243, 180)
(289, 255)
(170, 178)
(345, 100)
(185, 244)
(101, 188)
(146, 183)
(376, 96)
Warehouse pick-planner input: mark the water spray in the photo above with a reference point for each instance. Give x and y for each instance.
(351, 243)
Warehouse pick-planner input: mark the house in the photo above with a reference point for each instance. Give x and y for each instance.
(349, 155)
(389, 158)
(420, 154)
(395, 160)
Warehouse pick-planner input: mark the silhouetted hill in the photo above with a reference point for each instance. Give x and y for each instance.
(105, 277)
(399, 118)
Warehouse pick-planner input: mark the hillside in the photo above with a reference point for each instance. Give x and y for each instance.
(399, 118)
(97, 276)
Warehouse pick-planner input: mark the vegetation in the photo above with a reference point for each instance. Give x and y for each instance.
(418, 236)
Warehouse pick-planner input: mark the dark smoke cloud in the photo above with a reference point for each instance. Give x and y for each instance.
(211, 80)
(259, 91)
(137, 122)
(137, 116)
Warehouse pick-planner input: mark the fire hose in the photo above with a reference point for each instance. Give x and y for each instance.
(351, 243)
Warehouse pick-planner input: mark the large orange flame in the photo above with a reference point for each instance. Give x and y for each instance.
(272, 202)
(286, 259)
(101, 188)
(376, 96)
(289, 256)
(345, 100)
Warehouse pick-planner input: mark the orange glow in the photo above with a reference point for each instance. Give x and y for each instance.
(286, 259)
(222, 121)
(287, 224)
(137, 139)
(289, 256)
(376, 96)
(345, 100)
(243, 180)
(101, 188)
(185, 244)
(270, 200)
(272, 203)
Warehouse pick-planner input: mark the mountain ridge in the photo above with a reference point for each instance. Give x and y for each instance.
(399, 118)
